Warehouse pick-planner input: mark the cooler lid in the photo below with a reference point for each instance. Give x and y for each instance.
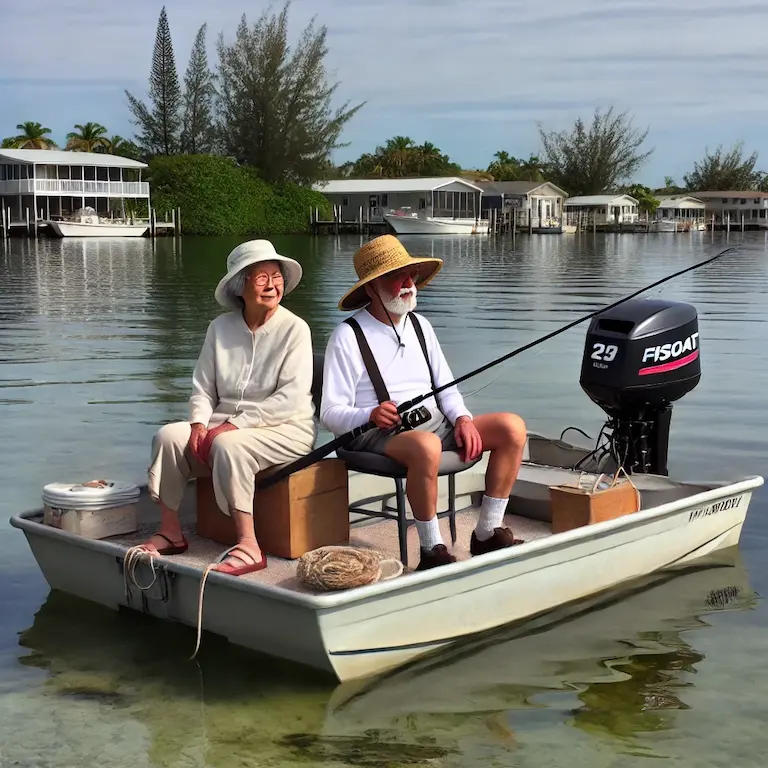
(90, 493)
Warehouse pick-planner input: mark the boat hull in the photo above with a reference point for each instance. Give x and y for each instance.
(412, 225)
(73, 229)
(366, 631)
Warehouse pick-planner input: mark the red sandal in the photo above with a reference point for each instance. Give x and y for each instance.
(173, 548)
(247, 568)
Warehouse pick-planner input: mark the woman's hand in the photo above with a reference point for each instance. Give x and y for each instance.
(205, 447)
(196, 439)
(468, 438)
(385, 415)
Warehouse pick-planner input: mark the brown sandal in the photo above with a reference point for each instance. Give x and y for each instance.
(173, 548)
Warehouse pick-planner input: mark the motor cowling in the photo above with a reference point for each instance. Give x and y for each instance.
(639, 358)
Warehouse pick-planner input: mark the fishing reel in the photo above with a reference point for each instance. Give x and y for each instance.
(415, 418)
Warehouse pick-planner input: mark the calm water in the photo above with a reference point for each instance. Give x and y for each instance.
(97, 342)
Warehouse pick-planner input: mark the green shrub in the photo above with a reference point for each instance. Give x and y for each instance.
(216, 197)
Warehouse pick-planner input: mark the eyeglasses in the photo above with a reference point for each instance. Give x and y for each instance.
(262, 278)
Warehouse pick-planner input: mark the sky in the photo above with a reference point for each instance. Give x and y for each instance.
(472, 77)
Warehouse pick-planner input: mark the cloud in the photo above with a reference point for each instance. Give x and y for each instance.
(472, 77)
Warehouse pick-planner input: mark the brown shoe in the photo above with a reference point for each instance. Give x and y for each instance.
(438, 555)
(502, 537)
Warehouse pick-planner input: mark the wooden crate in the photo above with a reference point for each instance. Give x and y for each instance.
(574, 506)
(305, 510)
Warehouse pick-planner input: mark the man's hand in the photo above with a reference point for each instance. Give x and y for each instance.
(385, 415)
(196, 438)
(205, 447)
(468, 438)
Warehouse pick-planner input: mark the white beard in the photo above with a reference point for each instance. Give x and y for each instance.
(402, 304)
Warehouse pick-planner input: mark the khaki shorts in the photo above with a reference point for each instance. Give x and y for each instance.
(375, 440)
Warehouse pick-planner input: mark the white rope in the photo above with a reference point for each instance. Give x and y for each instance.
(132, 558)
(208, 569)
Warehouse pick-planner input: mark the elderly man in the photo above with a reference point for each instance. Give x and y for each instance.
(376, 360)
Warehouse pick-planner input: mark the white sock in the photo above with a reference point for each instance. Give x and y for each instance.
(429, 533)
(491, 516)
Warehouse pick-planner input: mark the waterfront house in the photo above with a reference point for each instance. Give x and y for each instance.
(448, 197)
(681, 209)
(602, 209)
(50, 184)
(543, 201)
(730, 206)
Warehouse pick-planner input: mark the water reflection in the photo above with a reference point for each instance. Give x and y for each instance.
(628, 656)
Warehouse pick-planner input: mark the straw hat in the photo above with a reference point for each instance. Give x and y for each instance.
(251, 252)
(381, 256)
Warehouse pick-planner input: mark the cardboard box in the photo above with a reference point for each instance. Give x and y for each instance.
(585, 503)
(305, 510)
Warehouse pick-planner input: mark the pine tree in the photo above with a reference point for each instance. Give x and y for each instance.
(197, 131)
(159, 129)
(274, 109)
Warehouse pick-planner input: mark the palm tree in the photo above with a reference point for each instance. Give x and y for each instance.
(32, 136)
(91, 136)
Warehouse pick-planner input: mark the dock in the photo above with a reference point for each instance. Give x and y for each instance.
(35, 226)
(360, 225)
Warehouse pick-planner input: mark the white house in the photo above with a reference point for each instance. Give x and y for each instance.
(543, 199)
(732, 205)
(681, 208)
(444, 196)
(602, 209)
(53, 183)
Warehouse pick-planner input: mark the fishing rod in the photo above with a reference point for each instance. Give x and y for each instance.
(341, 440)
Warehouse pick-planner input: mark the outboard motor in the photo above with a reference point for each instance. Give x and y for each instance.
(639, 357)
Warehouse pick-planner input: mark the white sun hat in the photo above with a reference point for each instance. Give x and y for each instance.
(251, 252)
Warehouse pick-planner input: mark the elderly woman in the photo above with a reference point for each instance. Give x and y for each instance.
(251, 404)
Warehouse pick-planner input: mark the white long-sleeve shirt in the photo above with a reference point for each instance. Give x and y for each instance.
(254, 378)
(348, 394)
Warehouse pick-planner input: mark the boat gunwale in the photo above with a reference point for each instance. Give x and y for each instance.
(463, 568)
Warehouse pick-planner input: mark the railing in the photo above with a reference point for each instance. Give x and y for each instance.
(75, 187)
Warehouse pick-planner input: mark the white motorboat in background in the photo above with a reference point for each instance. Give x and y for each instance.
(85, 222)
(407, 222)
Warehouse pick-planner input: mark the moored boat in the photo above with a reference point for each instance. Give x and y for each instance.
(404, 223)
(638, 359)
(87, 223)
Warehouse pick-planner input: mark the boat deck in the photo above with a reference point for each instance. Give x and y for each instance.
(380, 535)
(528, 516)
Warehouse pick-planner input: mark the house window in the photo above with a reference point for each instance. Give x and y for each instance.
(422, 203)
(345, 201)
(384, 200)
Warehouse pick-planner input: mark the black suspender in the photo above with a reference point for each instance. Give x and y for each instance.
(370, 361)
(423, 343)
(373, 369)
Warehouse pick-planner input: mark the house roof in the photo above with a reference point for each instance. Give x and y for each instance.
(598, 199)
(63, 157)
(383, 186)
(679, 201)
(514, 187)
(731, 193)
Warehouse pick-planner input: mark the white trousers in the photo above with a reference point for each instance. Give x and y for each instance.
(235, 459)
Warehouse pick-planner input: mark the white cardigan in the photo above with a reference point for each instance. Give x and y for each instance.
(259, 378)
(348, 394)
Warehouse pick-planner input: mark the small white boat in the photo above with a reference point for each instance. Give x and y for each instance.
(87, 223)
(405, 222)
(367, 630)
(666, 225)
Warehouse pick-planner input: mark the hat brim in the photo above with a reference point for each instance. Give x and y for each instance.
(291, 269)
(356, 297)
